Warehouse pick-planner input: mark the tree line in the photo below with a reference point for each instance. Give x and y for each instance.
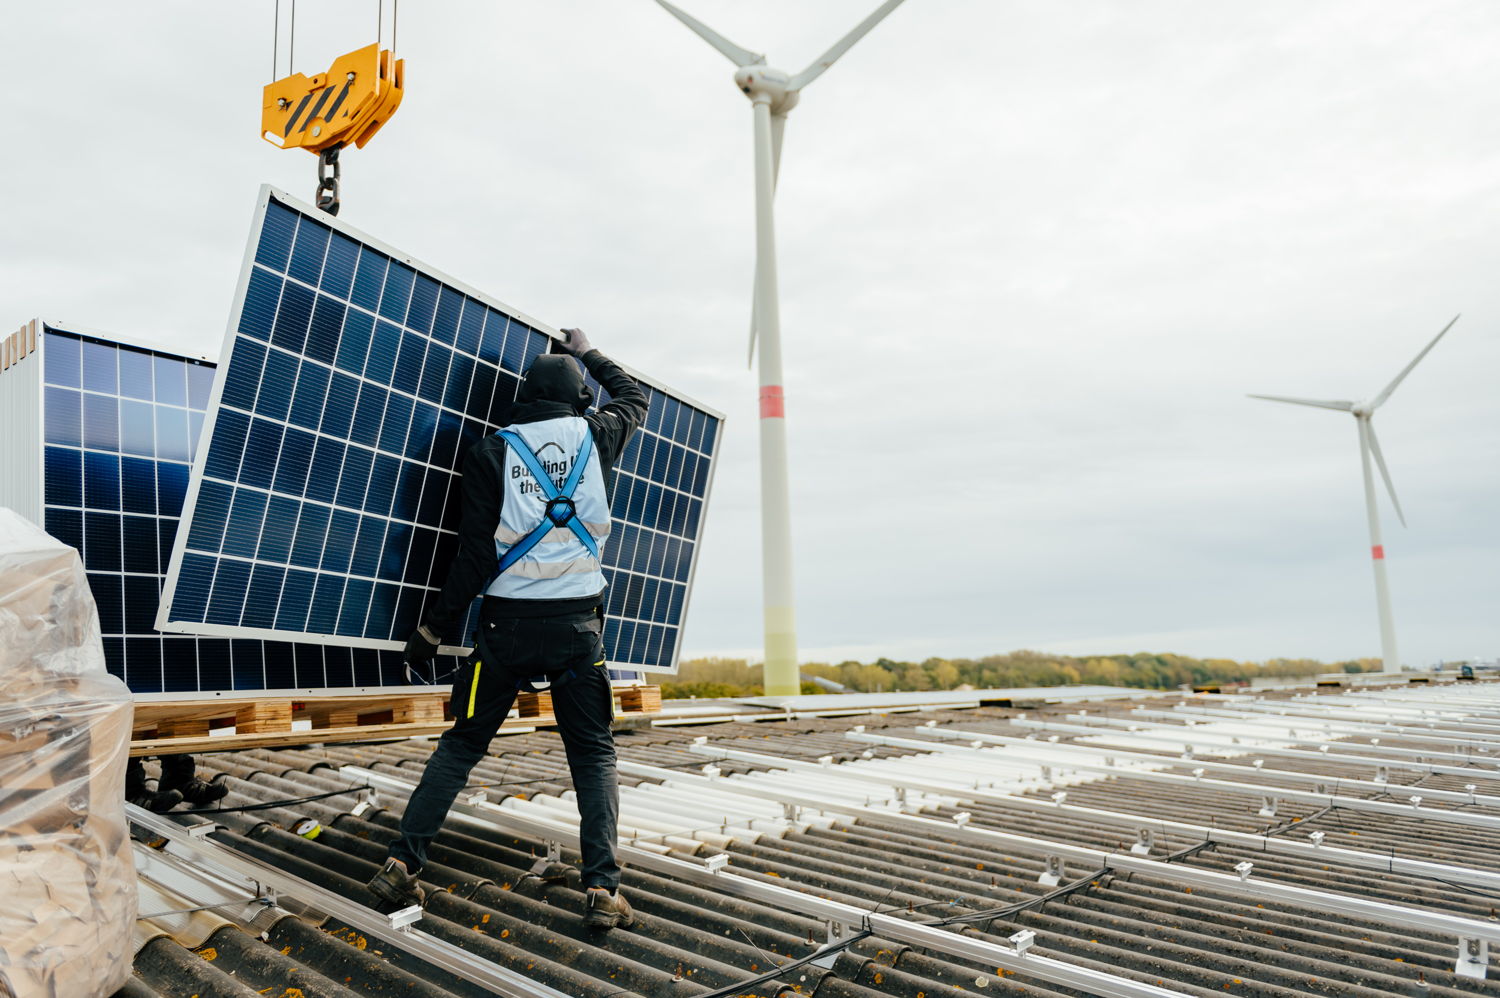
(730, 677)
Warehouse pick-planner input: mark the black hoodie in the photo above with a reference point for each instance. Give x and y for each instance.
(553, 387)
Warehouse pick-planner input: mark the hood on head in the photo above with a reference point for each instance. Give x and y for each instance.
(556, 378)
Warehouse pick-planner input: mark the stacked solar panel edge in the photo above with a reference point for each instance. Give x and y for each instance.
(120, 425)
(323, 507)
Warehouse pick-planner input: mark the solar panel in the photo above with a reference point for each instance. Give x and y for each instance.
(323, 505)
(120, 425)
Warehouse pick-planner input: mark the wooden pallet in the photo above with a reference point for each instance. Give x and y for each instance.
(167, 727)
(639, 699)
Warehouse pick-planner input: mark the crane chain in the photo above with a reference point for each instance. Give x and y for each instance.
(327, 198)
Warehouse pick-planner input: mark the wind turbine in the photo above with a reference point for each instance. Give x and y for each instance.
(773, 93)
(1369, 446)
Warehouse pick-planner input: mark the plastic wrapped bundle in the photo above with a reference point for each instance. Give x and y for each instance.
(67, 877)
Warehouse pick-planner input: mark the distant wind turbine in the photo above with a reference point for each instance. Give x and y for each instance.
(772, 94)
(1364, 413)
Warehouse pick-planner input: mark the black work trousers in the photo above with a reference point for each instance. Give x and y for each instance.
(567, 649)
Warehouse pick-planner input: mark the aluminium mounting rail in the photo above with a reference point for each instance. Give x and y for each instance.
(1488, 707)
(204, 853)
(1014, 959)
(1215, 744)
(1298, 731)
(889, 778)
(1483, 706)
(1472, 934)
(1089, 724)
(1262, 791)
(1421, 723)
(1134, 822)
(1351, 727)
(1316, 779)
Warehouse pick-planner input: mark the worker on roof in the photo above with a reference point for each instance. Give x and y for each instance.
(535, 507)
(179, 782)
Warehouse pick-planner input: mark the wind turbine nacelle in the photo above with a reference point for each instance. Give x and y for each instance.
(770, 85)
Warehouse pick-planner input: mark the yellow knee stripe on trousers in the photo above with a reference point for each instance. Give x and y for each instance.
(474, 688)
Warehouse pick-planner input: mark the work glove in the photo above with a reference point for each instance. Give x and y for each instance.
(420, 647)
(576, 342)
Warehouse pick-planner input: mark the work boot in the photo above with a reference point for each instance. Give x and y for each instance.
(180, 773)
(198, 793)
(605, 910)
(394, 888)
(139, 794)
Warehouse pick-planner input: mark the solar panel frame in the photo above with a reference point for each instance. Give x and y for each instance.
(154, 665)
(428, 280)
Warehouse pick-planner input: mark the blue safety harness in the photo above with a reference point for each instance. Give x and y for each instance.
(560, 510)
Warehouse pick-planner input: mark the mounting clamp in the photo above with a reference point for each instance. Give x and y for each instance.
(404, 919)
(1268, 807)
(550, 868)
(1243, 869)
(1473, 958)
(1145, 838)
(1054, 873)
(833, 932)
(1022, 941)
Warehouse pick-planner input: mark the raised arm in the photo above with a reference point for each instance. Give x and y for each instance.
(617, 419)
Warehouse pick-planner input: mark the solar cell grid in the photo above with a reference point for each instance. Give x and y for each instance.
(120, 426)
(324, 506)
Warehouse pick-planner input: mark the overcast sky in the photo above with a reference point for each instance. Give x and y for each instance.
(1033, 255)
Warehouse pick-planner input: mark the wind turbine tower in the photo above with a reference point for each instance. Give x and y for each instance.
(773, 94)
(1369, 446)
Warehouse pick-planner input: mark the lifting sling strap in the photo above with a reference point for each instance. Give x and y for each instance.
(560, 511)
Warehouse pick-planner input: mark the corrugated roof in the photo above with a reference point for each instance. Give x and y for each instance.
(1253, 873)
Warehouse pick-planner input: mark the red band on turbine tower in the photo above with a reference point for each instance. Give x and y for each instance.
(1378, 552)
(772, 402)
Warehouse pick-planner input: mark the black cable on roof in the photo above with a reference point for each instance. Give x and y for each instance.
(694, 764)
(771, 975)
(1019, 906)
(271, 805)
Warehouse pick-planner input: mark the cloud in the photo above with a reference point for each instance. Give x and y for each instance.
(1031, 258)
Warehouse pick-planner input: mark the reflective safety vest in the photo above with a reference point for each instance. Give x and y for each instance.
(554, 515)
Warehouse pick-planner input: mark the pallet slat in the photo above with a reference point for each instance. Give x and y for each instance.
(165, 728)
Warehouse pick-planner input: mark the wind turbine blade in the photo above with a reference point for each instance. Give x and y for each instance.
(754, 318)
(1384, 473)
(778, 126)
(821, 64)
(1380, 399)
(1321, 404)
(737, 55)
